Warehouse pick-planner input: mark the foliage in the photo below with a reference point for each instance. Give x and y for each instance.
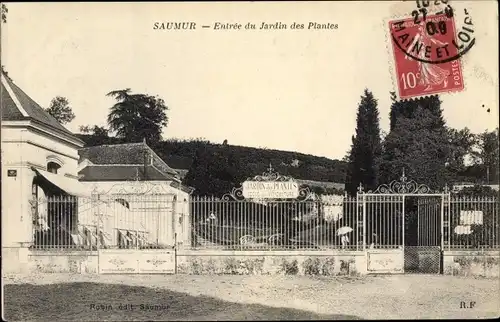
(4, 13)
(248, 161)
(417, 142)
(487, 155)
(99, 134)
(462, 143)
(214, 172)
(366, 146)
(60, 110)
(137, 116)
(4, 71)
(477, 191)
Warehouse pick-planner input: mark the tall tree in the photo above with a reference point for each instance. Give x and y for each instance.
(59, 108)
(137, 116)
(366, 147)
(418, 142)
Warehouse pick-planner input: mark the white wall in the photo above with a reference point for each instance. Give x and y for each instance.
(22, 149)
(155, 207)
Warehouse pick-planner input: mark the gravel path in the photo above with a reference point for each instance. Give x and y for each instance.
(370, 297)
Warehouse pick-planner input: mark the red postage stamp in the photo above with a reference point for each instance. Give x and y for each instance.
(426, 56)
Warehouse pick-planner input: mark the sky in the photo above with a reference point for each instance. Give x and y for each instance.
(293, 90)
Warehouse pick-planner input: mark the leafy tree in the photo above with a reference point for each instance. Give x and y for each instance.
(487, 155)
(59, 108)
(137, 116)
(214, 172)
(418, 142)
(462, 143)
(4, 13)
(366, 146)
(96, 135)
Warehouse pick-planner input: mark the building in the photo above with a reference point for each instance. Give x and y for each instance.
(459, 186)
(133, 175)
(39, 160)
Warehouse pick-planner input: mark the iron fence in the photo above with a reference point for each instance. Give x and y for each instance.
(326, 223)
(471, 223)
(383, 216)
(118, 221)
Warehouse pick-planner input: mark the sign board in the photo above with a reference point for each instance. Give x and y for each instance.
(463, 230)
(270, 189)
(157, 262)
(11, 173)
(136, 261)
(386, 261)
(471, 217)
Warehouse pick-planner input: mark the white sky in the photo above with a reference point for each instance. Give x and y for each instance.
(284, 89)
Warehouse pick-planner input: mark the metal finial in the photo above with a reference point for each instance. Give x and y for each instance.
(360, 187)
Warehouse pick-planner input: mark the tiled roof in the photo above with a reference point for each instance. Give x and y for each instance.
(122, 173)
(11, 111)
(125, 154)
(130, 153)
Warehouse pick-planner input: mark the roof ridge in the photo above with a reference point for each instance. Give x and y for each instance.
(108, 145)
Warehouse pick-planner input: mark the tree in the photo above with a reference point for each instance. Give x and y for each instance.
(59, 109)
(137, 116)
(366, 146)
(4, 20)
(214, 172)
(418, 142)
(4, 13)
(462, 143)
(487, 155)
(96, 135)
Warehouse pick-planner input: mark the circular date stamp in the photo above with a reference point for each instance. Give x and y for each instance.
(427, 48)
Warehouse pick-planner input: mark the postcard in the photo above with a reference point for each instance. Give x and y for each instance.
(250, 160)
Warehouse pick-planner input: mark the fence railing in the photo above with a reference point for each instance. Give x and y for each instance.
(328, 222)
(251, 224)
(67, 222)
(471, 223)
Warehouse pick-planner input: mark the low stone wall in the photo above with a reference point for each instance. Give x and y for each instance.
(51, 261)
(199, 262)
(15, 260)
(471, 263)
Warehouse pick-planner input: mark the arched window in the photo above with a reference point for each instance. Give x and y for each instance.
(53, 167)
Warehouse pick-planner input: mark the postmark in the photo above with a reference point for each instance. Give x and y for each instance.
(427, 48)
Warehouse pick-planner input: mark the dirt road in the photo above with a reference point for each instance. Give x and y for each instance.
(184, 297)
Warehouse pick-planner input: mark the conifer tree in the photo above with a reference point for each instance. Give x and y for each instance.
(366, 146)
(418, 142)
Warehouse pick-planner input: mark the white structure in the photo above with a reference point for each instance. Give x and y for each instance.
(136, 177)
(458, 187)
(39, 159)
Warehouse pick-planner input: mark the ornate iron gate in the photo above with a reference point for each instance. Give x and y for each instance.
(403, 227)
(423, 255)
